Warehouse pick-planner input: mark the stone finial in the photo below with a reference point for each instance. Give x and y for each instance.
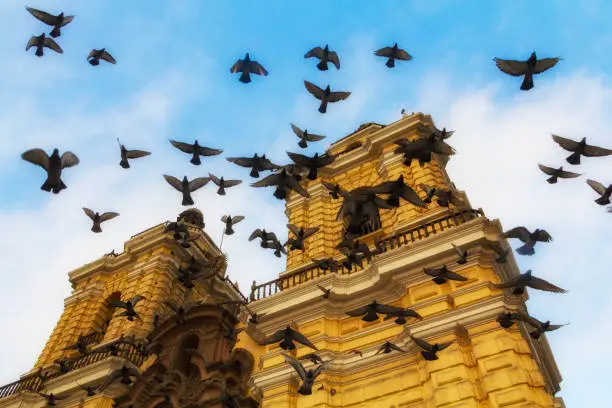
(463, 336)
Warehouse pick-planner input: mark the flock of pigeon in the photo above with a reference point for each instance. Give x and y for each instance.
(360, 206)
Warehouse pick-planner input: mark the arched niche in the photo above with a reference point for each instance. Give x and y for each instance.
(183, 360)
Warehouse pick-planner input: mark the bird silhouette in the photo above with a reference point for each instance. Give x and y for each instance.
(556, 173)
(325, 56)
(301, 234)
(519, 283)
(429, 351)
(325, 95)
(305, 137)
(130, 154)
(129, 306)
(98, 219)
(283, 181)
(95, 56)
(41, 42)
(526, 68)
(443, 274)
(57, 22)
(222, 183)
(255, 163)
(393, 53)
(187, 187)
(308, 377)
(603, 191)
(580, 148)
(287, 337)
(370, 312)
(229, 222)
(528, 238)
(53, 165)
(196, 150)
(247, 67)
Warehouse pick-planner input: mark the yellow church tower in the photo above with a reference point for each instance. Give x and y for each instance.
(204, 359)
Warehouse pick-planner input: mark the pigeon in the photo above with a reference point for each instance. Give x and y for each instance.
(361, 207)
(325, 96)
(180, 232)
(53, 165)
(370, 312)
(307, 377)
(304, 136)
(463, 254)
(495, 246)
(541, 327)
(181, 311)
(350, 245)
(277, 247)
(301, 234)
(528, 238)
(392, 54)
(283, 182)
(41, 42)
(443, 274)
(325, 56)
(312, 357)
(556, 173)
(97, 218)
(128, 306)
(603, 191)
(399, 189)
(51, 398)
(80, 346)
(222, 183)
(444, 197)
(507, 320)
(430, 350)
(130, 154)
(255, 163)
(526, 68)
(328, 264)
(125, 373)
(229, 222)
(519, 283)
(187, 187)
(388, 347)
(335, 191)
(247, 67)
(580, 149)
(401, 315)
(326, 292)
(312, 163)
(95, 56)
(286, 337)
(196, 150)
(422, 149)
(267, 238)
(57, 22)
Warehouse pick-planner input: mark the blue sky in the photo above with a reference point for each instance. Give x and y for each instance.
(172, 80)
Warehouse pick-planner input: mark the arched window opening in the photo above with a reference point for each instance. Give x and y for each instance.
(183, 363)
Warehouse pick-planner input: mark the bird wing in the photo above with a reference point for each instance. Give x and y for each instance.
(597, 186)
(455, 276)
(403, 55)
(50, 43)
(89, 213)
(595, 151)
(458, 250)
(396, 348)
(386, 309)
(137, 299)
(310, 231)
(300, 338)
(568, 174)
(184, 147)
(256, 234)
(32, 42)
(256, 68)
(432, 271)
(444, 148)
(333, 58)
(174, 182)
(511, 67)
(107, 57)
(231, 183)
(317, 371)
(422, 343)
(69, 159)
(315, 52)
(214, 179)
(273, 338)
(524, 317)
(43, 16)
(298, 132)
(310, 137)
(567, 144)
(237, 67)
(384, 52)
(271, 180)
(295, 230)
(237, 219)
(338, 96)
(297, 366)
(92, 54)
(521, 233)
(541, 284)
(37, 157)
(544, 236)
(117, 303)
(108, 216)
(548, 170)
(300, 159)
(293, 184)
(241, 161)
(135, 154)
(314, 90)
(67, 20)
(207, 151)
(442, 346)
(543, 64)
(198, 183)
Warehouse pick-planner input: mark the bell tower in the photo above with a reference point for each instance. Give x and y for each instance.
(485, 366)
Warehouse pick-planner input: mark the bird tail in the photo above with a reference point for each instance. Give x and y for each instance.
(323, 107)
(526, 250)
(390, 62)
(527, 82)
(393, 201)
(603, 200)
(39, 52)
(94, 61)
(535, 334)
(322, 66)
(229, 231)
(245, 78)
(96, 228)
(187, 200)
(254, 172)
(312, 174)
(551, 180)
(55, 32)
(221, 190)
(47, 185)
(196, 160)
(280, 193)
(303, 144)
(573, 158)
(124, 164)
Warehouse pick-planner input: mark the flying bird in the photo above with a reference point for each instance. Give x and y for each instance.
(308, 377)
(180, 232)
(507, 320)
(53, 165)
(541, 327)
(287, 337)
(519, 283)
(312, 357)
(40, 42)
(130, 154)
(422, 149)
(312, 163)
(247, 67)
(526, 68)
(57, 22)
(528, 238)
(602, 190)
(443, 274)
(388, 347)
(81, 346)
(328, 264)
(556, 173)
(325, 96)
(301, 234)
(325, 56)
(370, 312)
(222, 183)
(430, 350)
(196, 150)
(229, 222)
(444, 197)
(335, 191)
(392, 54)
(399, 189)
(95, 56)
(255, 163)
(580, 148)
(462, 253)
(98, 219)
(401, 315)
(125, 373)
(266, 237)
(129, 306)
(304, 136)
(187, 187)
(283, 181)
